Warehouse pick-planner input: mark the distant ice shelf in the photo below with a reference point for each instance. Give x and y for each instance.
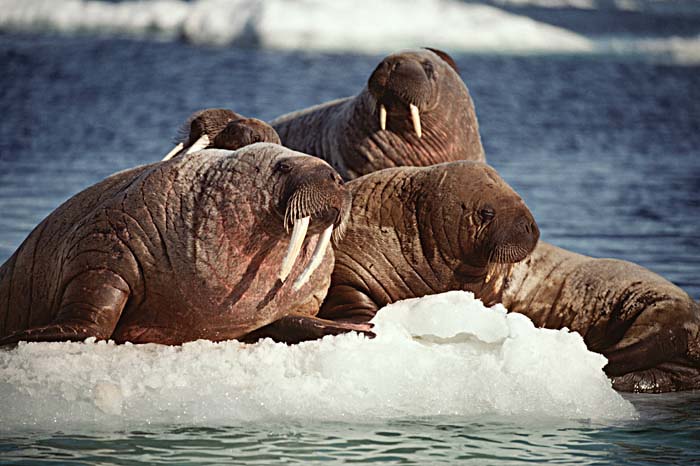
(347, 25)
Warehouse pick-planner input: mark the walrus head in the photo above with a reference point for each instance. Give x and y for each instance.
(244, 131)
(475, 217)
(312, 199)
(408, 84)
(220, 128)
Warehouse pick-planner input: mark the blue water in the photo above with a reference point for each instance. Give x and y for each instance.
(604, 149)
(666, 434)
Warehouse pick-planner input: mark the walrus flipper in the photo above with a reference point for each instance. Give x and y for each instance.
(91, 306)
(664, 353)
(667, 377)
(347, 304)
(296, 328)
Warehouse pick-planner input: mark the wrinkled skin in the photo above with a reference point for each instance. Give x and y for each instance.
(224, 129)
(398, 245)
(419, 231)
(648, 328)
(347, 132)
(176, 251)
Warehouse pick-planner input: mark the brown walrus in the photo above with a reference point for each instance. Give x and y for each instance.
(195, 247)
(408, 238)
(418, 231)
(647, 327)
(415, 110)
(220, 128)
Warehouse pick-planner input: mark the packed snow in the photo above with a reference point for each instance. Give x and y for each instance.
(441, 355)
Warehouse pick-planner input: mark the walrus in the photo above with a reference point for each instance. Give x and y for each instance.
(414, 110)
(198, 247)
(415, 231)
(647, 327)
(220, 128)
(419, 231)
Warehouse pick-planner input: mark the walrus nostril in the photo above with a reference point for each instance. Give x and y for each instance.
(525, 225)
(529, 227)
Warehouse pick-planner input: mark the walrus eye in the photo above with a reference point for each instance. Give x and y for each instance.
(487, 214)
(335, 177)
(429, 69)
(284, 167)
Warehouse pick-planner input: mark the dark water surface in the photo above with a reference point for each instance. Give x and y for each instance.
(606, 152)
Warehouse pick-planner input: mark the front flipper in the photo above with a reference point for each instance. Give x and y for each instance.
(296, 328)
(667, 377)
(345, 303)
(90, 307)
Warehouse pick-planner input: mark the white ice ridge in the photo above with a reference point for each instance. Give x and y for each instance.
(442, 355)
(343, 25)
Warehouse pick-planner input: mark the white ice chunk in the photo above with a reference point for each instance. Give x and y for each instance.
(438, 355)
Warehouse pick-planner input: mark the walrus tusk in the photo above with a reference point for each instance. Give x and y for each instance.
(316, 259)
(488, 276)
(174, 151)
(298, 235)
(199, 144)
(415, 116)
(382, 117)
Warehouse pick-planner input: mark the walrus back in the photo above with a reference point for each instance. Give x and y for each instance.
(309, 131)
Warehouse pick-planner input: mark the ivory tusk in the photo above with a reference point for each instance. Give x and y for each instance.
(382, 117)
(172, 153)
(199, 144)
(316, 259)
(298, 235)
(489, 274)
(415, 117)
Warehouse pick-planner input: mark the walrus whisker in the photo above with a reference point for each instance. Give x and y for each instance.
(298, 236)
(316, 258)
(199, 144)
(382, 117)
(172, 153)
(415, 117)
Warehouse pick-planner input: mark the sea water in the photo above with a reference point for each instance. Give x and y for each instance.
(601, 138)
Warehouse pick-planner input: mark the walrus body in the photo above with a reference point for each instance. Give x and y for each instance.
(415, 110)
(648, 328)
(419, 231)
(407, 239)
(177, 251)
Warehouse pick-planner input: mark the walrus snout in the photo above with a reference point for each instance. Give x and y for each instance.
(315, 201)
(317, 192)
(513, 238)
(402, 77)
(402, 84)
